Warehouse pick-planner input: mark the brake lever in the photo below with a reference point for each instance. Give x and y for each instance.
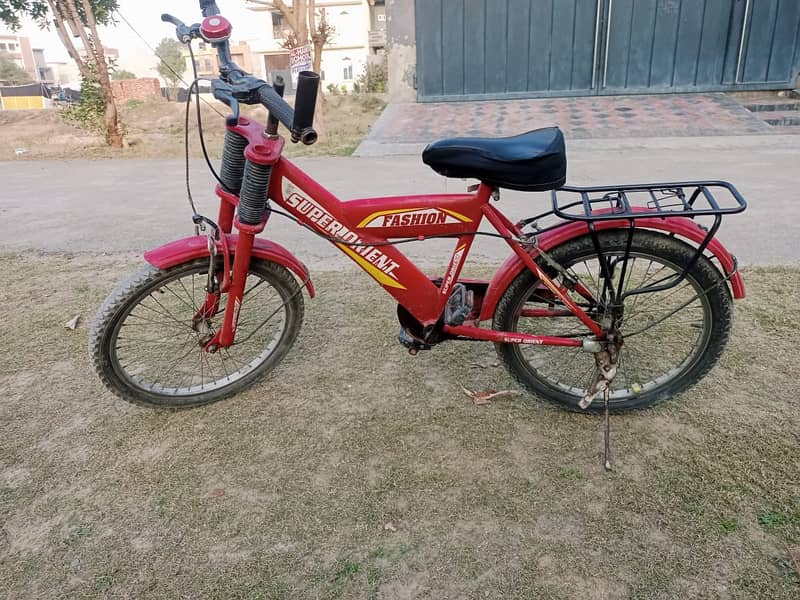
(224, 93)
(233, 120)
(183, 32)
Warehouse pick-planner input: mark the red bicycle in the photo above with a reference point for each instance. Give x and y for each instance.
(616, 291)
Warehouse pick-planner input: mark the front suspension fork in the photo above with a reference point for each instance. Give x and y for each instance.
(234, 285)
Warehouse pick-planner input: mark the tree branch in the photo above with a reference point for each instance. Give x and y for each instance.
(63, 34)
(77, 26)
(280, 5)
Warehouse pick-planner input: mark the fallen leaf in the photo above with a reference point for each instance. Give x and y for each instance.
(217, 493)
(486, 397)
(72, 324)
(390, 527)
(479, 365)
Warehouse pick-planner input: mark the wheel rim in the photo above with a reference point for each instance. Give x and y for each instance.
(155, 348)
(656, 354)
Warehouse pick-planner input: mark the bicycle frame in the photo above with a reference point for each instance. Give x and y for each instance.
(365, 228)
(362, 230)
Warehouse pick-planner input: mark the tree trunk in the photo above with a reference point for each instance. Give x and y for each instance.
(95, 54)
(113, 130)
(300, 8)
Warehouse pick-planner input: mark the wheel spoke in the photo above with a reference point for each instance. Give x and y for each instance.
(668, 329)
(151, 354)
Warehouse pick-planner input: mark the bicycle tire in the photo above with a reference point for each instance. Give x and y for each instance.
(717, 319)
(134, 291)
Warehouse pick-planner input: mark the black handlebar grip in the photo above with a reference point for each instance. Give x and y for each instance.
(304, 104)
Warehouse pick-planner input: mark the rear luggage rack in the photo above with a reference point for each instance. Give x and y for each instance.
(682, 199)
(690, 199)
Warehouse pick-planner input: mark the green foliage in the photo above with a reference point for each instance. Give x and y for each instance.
(12, 12)
(173, 62)
(728, 525)
(770, 520)
(374, 79)
(11, 72)
(346, 569)
(89, 113)
(122, 74)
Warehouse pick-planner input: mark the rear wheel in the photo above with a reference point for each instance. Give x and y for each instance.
(148, 346)
(663, 353)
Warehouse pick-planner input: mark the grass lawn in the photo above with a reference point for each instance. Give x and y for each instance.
(357, 471)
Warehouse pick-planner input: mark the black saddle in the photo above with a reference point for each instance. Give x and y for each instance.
(532, 162)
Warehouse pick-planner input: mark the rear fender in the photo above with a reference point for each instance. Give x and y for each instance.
(196, 246)
(680, 226)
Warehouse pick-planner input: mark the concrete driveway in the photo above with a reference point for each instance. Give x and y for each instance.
(132, 205)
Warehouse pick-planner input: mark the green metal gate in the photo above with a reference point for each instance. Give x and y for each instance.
(484, 49)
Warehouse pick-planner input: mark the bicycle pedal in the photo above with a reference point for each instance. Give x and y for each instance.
(459, 305)
(411, 342)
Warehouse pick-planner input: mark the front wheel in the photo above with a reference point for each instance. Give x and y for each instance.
(672, 338)
(147, 341)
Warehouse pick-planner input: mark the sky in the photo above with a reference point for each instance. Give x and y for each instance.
(145, 17)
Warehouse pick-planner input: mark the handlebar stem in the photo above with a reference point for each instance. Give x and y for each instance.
(209, 8)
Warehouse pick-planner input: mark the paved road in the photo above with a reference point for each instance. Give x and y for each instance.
(132, 205)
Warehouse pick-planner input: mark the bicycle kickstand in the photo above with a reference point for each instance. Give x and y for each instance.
(601, 384)
(606, 432)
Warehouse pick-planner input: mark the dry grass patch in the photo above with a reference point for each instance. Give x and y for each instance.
(286, 490)
(156, 130)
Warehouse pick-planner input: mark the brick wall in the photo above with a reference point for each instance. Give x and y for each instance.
(136, 89)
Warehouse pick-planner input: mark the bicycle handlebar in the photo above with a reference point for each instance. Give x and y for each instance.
(236, 85)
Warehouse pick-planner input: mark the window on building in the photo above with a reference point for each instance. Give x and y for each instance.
(2, 46)
(348, 72)
(208, 66)
(202, 45)
(278, 26)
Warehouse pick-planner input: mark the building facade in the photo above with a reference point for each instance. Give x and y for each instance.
(20, 51)
(207, 62)
(359, 36)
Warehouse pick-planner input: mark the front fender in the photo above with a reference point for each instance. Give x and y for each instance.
(680, 226)
(196, 246)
